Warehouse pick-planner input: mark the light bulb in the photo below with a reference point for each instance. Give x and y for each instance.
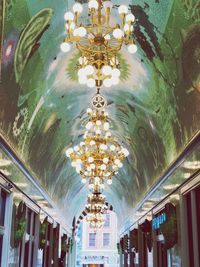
(98, 131)
(77, 8)
(107, 135)
(126, 28)
(125, 152)
(69, 151)
(107, 37)
(92, 142)
(120, 164)
(130, 17)
(65, 47)
(107, 4)
(79, 161)
(92, 166)
(69, 16)
(82, 144)
(91, 83)
(78, 169)
(82, 80)
(112, 148)
(81, 31)
(89, 69)
(106, 70)
(115, 73)
(82, 72)
(103, 167)
(107, 82)
(93, 4)
(97, 179)
(98, 122)
(106, 126)
(115, 80)
(73, 164)
(105, 160)
(118, 34)
(83, 180)
(89, 111)
(76, 148)
(123, 9)
(90, 159)
(103, 147)
(89, 125)
(132, 48)
(115, 168)
(91, 186)
(75, 32)
(109, 181)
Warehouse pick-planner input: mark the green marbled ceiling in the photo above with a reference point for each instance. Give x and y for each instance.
(155, 109)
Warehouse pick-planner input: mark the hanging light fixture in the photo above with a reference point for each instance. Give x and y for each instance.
(99, 155)
(98, 42)
(95, 208)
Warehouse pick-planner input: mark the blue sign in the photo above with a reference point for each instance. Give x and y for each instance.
(157, 221)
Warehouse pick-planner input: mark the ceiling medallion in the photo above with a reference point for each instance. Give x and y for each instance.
(99, 41)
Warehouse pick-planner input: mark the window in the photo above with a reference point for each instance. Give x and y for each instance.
(107, 220)
(92, 239)
(106, 239)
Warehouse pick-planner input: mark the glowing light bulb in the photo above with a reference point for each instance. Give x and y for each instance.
(107, 82)
(89, 69)
(69, 16)
(98, 122)
(106, 126)
(105, 160)
(89, 111)
(118, 34)
(90, 159)
(130, 17)
(65, 47)
(123, 9)
(115, 73)
(69, 151)
(77, 7)
(112, 148)
(132, 48)
(106, 70)
(76, 148)
(93, 4)
(107, 37)
(89, 125)
(81, 31)
(91, 83)
(109, 181)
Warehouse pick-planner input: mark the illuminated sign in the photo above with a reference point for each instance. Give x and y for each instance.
(157, 221)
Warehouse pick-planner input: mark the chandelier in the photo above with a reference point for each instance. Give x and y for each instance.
(99, 156)
(99, 41)
(95, 209)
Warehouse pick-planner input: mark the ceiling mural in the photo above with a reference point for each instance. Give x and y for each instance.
(154, 110)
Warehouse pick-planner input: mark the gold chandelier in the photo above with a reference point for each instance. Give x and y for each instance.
(99, 156)
(95, 208)
(99, 41)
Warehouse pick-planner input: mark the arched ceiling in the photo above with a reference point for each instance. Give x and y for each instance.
(154, 110)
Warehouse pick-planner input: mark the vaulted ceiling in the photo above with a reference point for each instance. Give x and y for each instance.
(154, 110)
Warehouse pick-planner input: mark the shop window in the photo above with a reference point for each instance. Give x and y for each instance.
(92, 239)
(106, 239)
(3, 226)
(2, 206)
(107, 220)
